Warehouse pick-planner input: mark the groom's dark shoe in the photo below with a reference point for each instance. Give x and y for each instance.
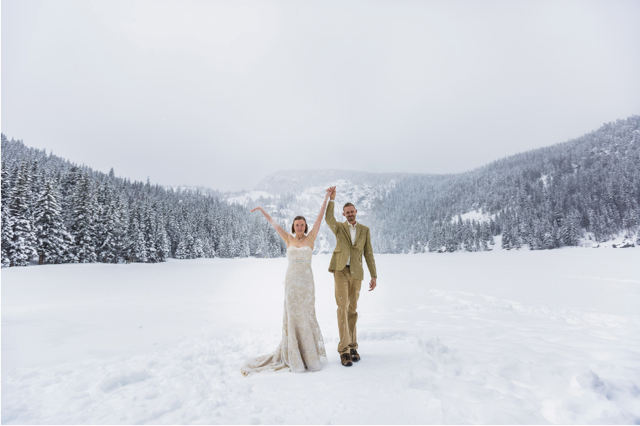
(355, 356)
(345, 359)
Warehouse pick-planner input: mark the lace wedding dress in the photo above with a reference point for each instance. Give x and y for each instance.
(301, 348)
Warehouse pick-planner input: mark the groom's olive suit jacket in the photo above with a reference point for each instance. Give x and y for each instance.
(344, 248)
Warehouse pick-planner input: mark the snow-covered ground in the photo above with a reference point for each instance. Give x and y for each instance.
(493, 337)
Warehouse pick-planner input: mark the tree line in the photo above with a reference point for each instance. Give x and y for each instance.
(54, 211)
(550, 197)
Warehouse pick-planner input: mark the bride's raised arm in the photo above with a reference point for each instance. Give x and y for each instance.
(283, 234)
(316, 226)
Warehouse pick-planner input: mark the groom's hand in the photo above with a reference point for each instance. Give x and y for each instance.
(372, 284)
(333, 192)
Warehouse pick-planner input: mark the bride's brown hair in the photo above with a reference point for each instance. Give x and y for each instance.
(306, 227)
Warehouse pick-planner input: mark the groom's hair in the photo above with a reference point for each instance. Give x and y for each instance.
(306, 227)
(348, 205)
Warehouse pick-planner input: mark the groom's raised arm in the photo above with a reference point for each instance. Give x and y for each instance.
(329, 216)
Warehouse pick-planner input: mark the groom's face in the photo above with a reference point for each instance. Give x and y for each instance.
(350, 213)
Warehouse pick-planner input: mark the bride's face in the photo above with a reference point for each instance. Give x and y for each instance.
(299, 226)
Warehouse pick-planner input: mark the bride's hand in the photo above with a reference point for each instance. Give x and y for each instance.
(330, 191)
(257, 208)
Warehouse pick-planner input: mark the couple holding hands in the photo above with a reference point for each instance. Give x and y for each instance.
(302, 348)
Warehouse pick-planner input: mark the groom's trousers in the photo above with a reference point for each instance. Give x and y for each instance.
(347, 294)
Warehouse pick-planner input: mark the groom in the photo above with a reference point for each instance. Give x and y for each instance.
(353, 239)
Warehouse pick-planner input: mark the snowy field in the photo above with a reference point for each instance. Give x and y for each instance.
(494, 337)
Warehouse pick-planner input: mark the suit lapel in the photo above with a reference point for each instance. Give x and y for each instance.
(345, 226)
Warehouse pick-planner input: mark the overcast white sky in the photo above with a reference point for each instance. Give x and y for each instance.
(223, 93)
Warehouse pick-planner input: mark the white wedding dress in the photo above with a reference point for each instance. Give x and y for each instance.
(301, 348)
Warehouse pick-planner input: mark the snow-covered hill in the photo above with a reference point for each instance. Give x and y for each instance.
(299, 180)
(584, 189)
(288, 194)
(248, 198)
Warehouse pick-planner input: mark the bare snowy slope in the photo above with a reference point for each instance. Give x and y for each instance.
(291, 193)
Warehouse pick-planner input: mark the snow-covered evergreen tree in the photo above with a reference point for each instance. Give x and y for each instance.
(121, 222)
(68, 182)
(105, 224)
(49, 227)
(198, 249)
(149, 230)
(22, 247)
(83, 221)
(7, 222)
(162, 248)
(136, 250)
(182, 251)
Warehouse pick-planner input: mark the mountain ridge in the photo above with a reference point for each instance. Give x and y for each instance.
(545, 198)
(583, 191)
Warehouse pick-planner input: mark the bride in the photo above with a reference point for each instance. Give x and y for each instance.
(301, 348)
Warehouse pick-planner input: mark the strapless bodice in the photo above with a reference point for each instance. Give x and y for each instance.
(299, 254)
